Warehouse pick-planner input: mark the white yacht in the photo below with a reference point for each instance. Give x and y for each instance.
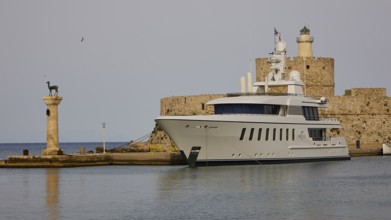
(260, 126)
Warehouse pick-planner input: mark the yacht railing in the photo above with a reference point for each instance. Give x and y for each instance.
(328, 119)
(261, 94)
(320, 119)
(247, 114)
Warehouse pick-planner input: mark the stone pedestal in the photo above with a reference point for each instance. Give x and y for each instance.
(52, 147)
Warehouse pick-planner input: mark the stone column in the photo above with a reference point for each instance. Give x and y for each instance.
(52, 147)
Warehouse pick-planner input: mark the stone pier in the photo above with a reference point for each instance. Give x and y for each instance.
(52, 147)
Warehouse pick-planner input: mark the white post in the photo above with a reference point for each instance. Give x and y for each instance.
(104, 137)
(242, 85)
(249, 82)
(305, 76)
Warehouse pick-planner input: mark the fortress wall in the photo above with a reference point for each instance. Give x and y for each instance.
(188, 105)
(316, 73)
(367, 118)
(381, 92)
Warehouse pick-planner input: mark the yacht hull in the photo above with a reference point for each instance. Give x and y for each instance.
(224, 140)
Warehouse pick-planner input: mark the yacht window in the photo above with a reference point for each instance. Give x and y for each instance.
(259, 134)
(242, 134)
(287, 134)
(280, 134)
(267, 134)
(293, 134)
(247, 109)
(251, 134)
(274, 134)
(317, 134)
(311, 113)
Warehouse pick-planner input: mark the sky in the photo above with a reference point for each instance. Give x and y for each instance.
(136, 52)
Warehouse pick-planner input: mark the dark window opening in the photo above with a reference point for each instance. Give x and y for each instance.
(259, 134)
(274, 134)
(267, 134)
(287, 134)
(280, 134)
(202, 106)
(293, 134)
(311, 113)
(251, 134)
(308, 67)
(242, 134)
(247, 109)
(317, 134)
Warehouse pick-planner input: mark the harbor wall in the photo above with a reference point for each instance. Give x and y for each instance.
(365, 115)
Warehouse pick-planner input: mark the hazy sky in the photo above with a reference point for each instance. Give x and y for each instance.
(137, 52)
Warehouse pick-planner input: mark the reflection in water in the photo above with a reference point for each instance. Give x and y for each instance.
(52, 193)
(356, 189)
(245, 191)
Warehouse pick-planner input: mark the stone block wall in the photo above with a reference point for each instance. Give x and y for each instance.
(188, 105)
(378, 92)
(365, 117)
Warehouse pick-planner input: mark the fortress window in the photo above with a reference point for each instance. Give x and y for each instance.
(242, 134)
(251, 134)
(308, 67)
(202, 106)
(259, 134)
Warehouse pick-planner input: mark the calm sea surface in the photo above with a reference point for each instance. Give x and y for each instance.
(355, 189)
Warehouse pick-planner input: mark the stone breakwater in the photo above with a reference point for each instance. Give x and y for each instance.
(77, 160)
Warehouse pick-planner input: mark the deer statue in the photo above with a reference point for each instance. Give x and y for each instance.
(54, 87)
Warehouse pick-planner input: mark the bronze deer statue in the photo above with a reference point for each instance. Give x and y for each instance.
(54, 87)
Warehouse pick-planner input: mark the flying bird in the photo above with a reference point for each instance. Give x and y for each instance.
(82, 39)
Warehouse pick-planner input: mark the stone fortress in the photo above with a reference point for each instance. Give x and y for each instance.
(363, 112)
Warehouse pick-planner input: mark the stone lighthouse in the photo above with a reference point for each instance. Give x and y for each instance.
(52, 147)
(304, 43)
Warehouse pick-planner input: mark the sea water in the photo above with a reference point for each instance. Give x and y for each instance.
(355, 189)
